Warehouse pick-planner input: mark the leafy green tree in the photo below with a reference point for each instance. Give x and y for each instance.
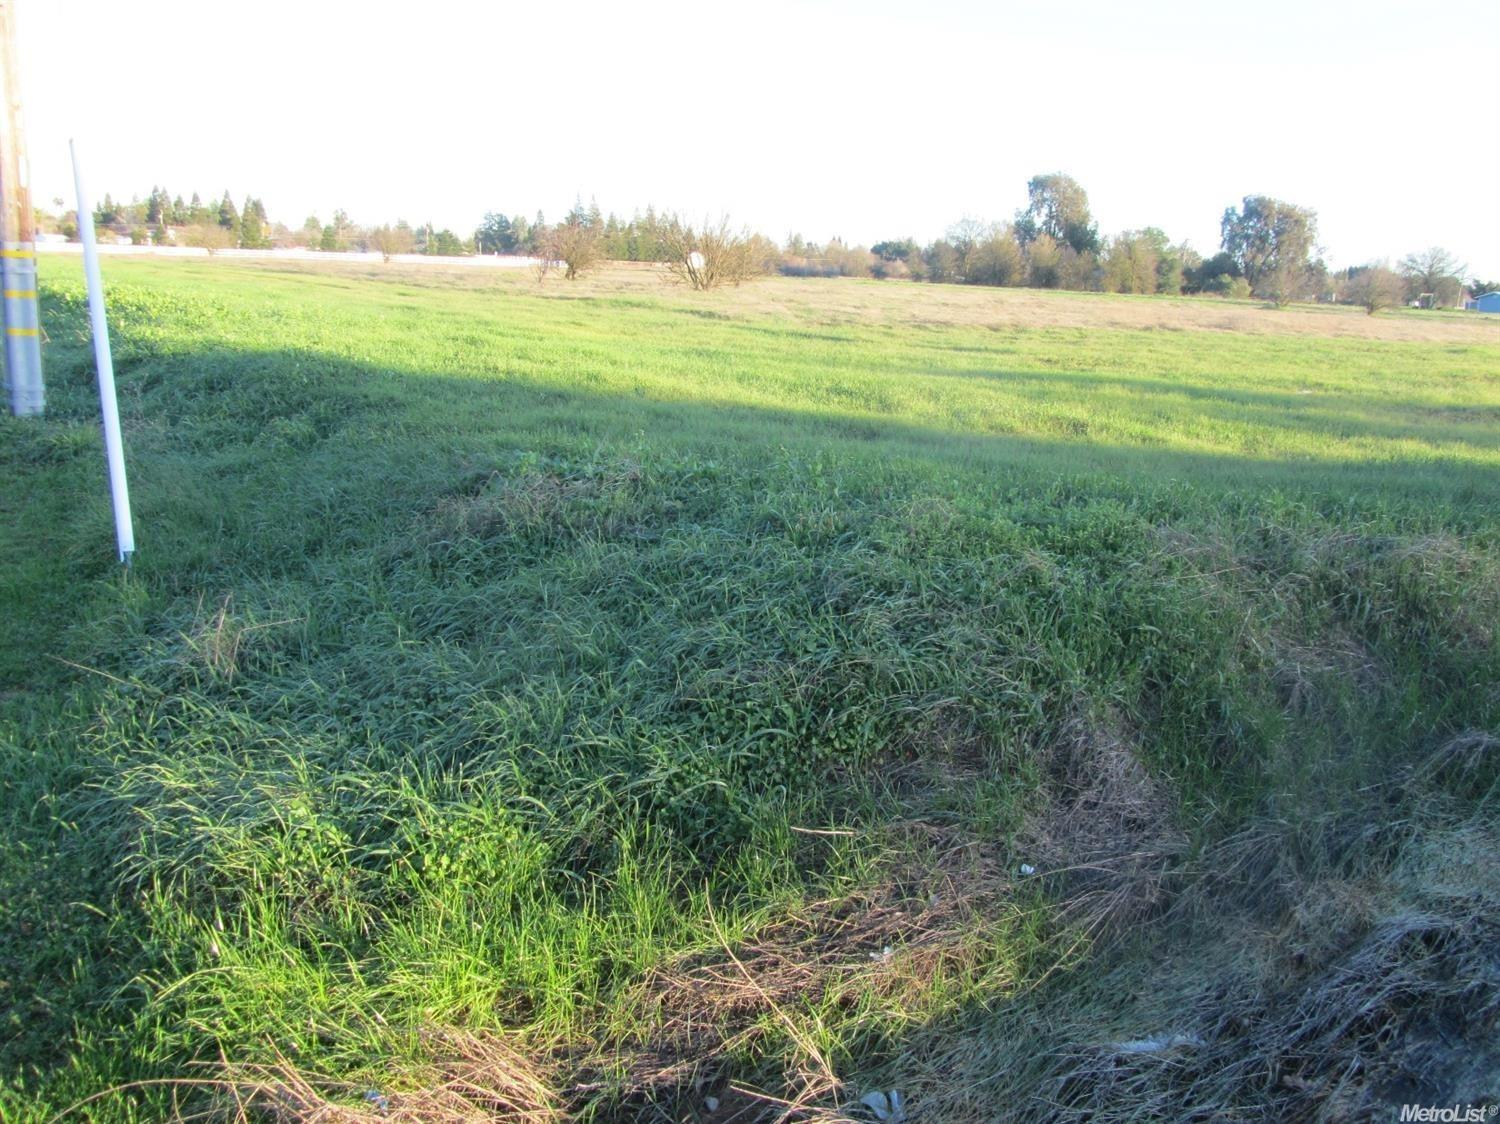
(1173, 264)
(496, 234)
(443, 243)
(1271, 242)
(106, 212)
(900, 249)
(941, 260)
(1203, 275)
(996, 258)
(1057, 206)
(158, 206)
(1132, 260)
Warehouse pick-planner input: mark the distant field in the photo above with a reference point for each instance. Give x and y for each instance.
(603, 701)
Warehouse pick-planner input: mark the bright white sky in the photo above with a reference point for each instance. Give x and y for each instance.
(858, 118)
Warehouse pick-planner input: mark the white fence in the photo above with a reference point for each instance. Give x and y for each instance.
(297, 253)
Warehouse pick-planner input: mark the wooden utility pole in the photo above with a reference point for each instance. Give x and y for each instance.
(23, 325)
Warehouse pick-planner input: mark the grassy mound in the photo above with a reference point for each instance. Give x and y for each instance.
(602, 701)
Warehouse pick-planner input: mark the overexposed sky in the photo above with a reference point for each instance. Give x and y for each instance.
(858, 118)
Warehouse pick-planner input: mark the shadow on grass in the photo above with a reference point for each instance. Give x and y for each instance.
(258, 460)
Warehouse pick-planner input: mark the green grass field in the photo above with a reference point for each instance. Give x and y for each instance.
(602, 701)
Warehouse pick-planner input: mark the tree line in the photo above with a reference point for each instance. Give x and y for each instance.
(1268, 248)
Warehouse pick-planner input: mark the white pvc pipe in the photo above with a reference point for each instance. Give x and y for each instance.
(114, 448)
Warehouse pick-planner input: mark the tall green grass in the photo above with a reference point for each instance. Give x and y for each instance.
(493, 651)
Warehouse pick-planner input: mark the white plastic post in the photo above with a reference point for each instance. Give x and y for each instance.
(109, 407)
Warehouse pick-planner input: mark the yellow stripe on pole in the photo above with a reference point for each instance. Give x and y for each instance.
(17, 253)
(20, 294)
(20, 331)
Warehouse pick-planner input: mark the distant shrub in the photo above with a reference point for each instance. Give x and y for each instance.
(834, 260)
(1044, 266)
(796, 265)
(1238, 289)
(848, 261)
(208, 236)
(890, 269)
(392, 240)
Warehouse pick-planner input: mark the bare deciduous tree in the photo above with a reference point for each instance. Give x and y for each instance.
(392, 240)
(1375, 287)
(575, 245)
(711, 255)
(1433, 275)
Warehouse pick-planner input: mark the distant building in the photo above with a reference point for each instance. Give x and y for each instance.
(1484, 302)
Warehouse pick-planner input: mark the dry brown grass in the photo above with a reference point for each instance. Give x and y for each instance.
(471, 1078)
(1333, 998)
(1106, 834)
(832, 301)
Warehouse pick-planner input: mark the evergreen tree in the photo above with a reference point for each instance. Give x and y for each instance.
(252, 226)
(229, 218)
(107, 212)
(616, 241)
(495, 235)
